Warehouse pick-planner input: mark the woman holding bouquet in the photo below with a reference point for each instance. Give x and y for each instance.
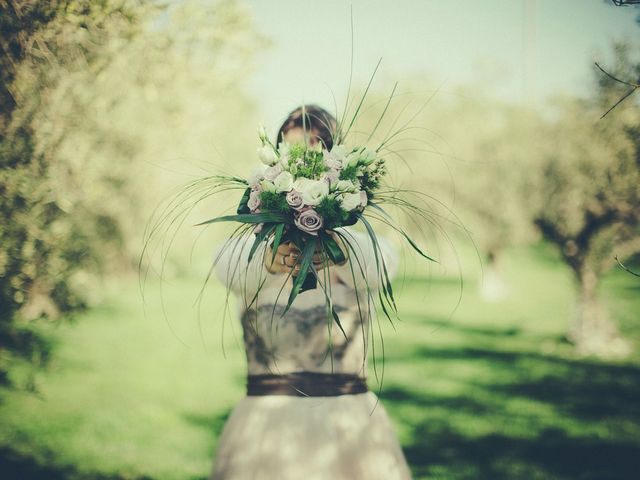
(308, 413)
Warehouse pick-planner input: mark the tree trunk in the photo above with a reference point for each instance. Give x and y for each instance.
(39, 302)
(591, 329)
(493, 288)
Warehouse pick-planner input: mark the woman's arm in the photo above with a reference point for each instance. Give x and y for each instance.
(366, 267)
(233, 269)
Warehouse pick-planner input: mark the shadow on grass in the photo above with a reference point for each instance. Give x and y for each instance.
(492, 332)
(583, 396)
(552, 454)
(212, 423)
(585, 388)
(17, 466)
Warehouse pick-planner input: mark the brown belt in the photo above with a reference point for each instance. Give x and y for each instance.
(306, 384)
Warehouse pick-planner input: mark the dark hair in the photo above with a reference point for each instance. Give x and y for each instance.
(314, 119)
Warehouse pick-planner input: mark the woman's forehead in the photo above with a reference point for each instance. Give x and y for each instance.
(298, 132)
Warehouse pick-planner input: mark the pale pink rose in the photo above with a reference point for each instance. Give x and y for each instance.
(272, 172)
(331, 176)
(294, 199)
(363, 198)
(258, 228)
(308, 221)
(333, 163)
(254, 201)
(334, 159)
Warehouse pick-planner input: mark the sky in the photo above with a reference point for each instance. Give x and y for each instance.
(519, 50)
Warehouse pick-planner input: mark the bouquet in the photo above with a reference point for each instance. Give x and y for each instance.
(301, 194)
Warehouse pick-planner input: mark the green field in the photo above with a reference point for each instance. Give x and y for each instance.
(490, 392)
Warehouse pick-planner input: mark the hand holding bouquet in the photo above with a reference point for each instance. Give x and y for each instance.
(285, 258)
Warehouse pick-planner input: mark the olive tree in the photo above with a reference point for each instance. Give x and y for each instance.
(95, 95)
(588, 201)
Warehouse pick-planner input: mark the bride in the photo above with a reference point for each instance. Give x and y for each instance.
(308, 413)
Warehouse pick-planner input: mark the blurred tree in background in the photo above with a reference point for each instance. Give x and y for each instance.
(494, 147)
(510, 175)
(588, 200)
(472, 157)
(43, 243)
(97, 98)
(496, 205)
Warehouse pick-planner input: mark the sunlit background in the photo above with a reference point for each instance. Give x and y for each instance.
(517, 356)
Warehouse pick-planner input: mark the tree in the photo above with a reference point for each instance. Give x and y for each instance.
(95, 94)
(40, 42)
(473, 155)
(496, 145)
(589, 201)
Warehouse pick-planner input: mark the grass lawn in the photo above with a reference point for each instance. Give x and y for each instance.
(490, 392)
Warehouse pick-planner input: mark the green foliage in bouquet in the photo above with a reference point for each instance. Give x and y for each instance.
(273, 202)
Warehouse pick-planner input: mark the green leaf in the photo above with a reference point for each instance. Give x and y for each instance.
(242, 207)
(305, 262)
(277, 239)
(267, 228)
(332, 248)
(309, 282)
(386, 284)
(265, 217)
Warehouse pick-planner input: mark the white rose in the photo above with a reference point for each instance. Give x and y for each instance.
(367, 156)
(351, 160)
(346, 186)
(350, 201)
(313, 191)
(267, 186)
(267, 155)
(283, 182)
(332, 163)
(257, 174)
(339, 152)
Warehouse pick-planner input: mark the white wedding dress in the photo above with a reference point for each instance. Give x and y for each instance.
(283, 437)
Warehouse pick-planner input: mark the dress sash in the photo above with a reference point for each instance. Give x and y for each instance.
(306, 384)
